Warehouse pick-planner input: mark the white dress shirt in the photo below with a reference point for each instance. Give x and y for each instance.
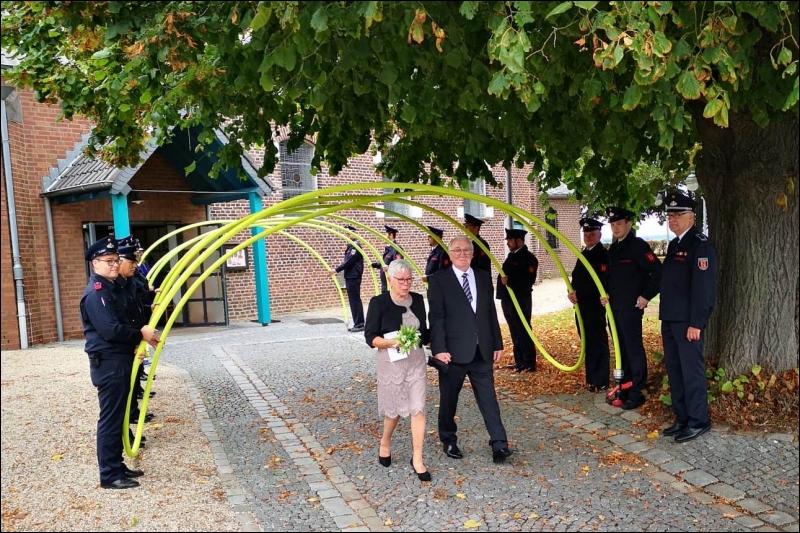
(472, 286)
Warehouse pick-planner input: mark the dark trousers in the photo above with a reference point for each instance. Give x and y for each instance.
(686, 370)
(634, 360)
(112, 379)
(353, 287)
(384, 286)
(481, 377)
(597, 354)
(524, 349)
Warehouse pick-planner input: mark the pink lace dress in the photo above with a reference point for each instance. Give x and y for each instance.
(402, 384)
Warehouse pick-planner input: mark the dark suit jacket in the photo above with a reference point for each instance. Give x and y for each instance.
(454, 328)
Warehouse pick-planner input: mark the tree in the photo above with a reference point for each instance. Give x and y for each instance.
(712, 85)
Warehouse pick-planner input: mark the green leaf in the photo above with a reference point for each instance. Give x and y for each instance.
(712, 108)
(105, 52)
(409, 114)
(499, 83)
(266, 81)
(190, 168)
(756, 370)
(319, 20)
(560, 8)
(632, 97)
(785, 57)
(453, 58)
(468, 9)
(261, 18)
(721, 118)
(585, 5)
(743, 379)
(618, 55)
(726, 387)
(285, 57)
(688, 86)
(145, 97)
(661, 44)
(388, 73)
(318, 96)
(100, 74)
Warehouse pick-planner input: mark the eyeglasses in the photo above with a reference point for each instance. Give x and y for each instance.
(677, 215)
(460, 251)
(404, 280)
(110, 262)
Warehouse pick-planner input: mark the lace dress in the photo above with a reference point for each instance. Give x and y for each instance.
(402, 384)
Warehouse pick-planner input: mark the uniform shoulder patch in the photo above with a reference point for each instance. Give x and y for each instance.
(702, 263)
(98, 285)
(650, 256)
(531, 269)
(603, 267)
(701, 236)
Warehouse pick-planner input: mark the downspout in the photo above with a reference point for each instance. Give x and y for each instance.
(509, 197)
(12, 222)
(48, 215)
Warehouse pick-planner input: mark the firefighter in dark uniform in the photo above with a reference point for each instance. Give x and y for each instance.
(353, 267)
(438, 258)
(634, 277)
(480, 259)
(586, 294)
(390, 253)
(688, 292)
(110, 343)
(521, 268)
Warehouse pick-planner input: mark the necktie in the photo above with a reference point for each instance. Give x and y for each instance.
(465, 286)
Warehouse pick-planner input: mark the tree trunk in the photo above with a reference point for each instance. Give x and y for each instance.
(747, 172)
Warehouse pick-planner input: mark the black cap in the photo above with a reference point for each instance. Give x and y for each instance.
(677, 201)
(436, 231)
(390, 229)
(618, 213)
(104, 246)
(515, 234)
(590, 224)
(127, 252)
(351, 228)
(469, 219)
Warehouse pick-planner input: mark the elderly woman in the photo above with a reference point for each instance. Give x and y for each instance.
(402, 383)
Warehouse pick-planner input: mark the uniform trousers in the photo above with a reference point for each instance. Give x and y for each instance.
(686, 370)
(112, 380)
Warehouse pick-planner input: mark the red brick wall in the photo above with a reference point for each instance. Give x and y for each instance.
(8, 311)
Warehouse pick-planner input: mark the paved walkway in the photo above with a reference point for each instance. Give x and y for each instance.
(290, 412)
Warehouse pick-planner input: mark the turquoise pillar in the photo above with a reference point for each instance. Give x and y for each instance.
(119, 210)
(260, 266)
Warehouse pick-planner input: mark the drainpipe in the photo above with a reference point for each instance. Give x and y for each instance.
(12, 222)
(48, 215)
(509, 197)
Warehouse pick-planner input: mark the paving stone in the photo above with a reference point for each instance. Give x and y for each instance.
(702, 497)
(657, 456)
(748, 521)
(754, 506)
(777, 518)
(698, 478)
(726, 492)
(637, 447)
(726, 510)
(676, 466)
(682, 487)
(622, 439)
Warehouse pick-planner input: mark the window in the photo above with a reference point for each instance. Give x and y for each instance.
(296, 174)
(552, 219)
(397, 207)
(472, 207)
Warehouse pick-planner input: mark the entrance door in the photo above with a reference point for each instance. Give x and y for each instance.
(208, 304)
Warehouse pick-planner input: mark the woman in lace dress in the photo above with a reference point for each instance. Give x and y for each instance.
(402, 383)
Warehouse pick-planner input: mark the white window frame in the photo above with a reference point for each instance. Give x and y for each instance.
(297, 163)
(473, 207)
(399, 208)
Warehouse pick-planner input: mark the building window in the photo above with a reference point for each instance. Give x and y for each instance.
(472, 207)
(397, 207)
(552, 219)
(296, 174)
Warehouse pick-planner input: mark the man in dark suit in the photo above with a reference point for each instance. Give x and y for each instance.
(465, 336)
(480, 259)
(390, 253)
(353, 266)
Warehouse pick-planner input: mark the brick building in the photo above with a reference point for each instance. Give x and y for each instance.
(47, 170)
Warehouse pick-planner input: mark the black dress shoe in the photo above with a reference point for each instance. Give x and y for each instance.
(511, 367)
(526, 369)
(438, 365)
(357, 330)
(130, 474)
(632, 404)
(453, 452)
(140, 396)
(688, 433)
(423, 476)
(123, 483)
(592, 388)
(385, 461)
(674, 429)
(499, 456)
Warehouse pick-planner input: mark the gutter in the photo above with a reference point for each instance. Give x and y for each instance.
(12, 223)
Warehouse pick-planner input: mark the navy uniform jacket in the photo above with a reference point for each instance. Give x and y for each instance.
(390, 253)
(134, 312)
(634, 270)
(437, 260)
(102, 304)
(142, 293)
(521, 268)
(353, 264)
(582, 282)
(479, 258)
(689, 280)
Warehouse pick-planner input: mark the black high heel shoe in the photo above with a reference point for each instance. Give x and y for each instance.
(423, 476)
(385, 461)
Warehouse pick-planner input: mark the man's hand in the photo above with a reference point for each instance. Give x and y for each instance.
(572, 297)
(150, 335)
(504, 280)
(604, 300)
(641, 302)
(497, 355)
(692, 334)
(444, 357)
(141, 354)
(332, 271)
(385, 268)
(424, 279)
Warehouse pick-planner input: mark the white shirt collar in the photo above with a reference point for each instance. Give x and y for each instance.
(680, 237)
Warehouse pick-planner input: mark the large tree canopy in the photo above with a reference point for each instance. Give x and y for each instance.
(592, 88)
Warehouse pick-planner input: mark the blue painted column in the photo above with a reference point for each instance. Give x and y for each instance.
(119, 210)
(260, 266)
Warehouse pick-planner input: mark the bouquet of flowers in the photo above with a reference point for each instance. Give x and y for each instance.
(408, 339)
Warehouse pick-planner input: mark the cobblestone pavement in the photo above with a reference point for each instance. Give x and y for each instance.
(292, 420)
